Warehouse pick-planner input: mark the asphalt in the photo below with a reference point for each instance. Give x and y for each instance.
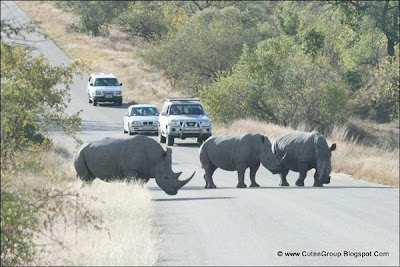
(252, 226)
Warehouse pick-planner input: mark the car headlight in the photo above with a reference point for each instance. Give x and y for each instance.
(206, 123)
(136, 123)
(174, 123)
(98, 92)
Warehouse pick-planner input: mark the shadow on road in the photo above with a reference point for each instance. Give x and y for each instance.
(112, 105)
(188, 144)
(316, 188)
(194, 188)
(190, 198)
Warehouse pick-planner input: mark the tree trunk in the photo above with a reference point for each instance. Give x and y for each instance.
(390, 47)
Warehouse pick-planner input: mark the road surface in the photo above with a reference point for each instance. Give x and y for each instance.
(253, 226)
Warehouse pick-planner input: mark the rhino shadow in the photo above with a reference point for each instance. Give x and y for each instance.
(190, 198)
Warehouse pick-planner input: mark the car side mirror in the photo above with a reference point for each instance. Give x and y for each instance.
(120, 84)
(126, 114)
(163, 113)
(91, 84)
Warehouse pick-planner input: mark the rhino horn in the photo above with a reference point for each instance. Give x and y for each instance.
(182, 183)
(176, 175)
(284, 156)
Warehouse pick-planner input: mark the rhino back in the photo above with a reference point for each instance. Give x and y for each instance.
(226, 151)
(109, 157)
(298, 147)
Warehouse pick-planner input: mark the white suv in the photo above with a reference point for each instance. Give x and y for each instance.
(104, 87)
(182, 118)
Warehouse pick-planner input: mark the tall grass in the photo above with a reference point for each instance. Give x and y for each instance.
(106, 224)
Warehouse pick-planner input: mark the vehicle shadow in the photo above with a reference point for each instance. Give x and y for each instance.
(112, 105)
(188, 144)
(190, 198)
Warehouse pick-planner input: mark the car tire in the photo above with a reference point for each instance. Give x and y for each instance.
(119, 102)
(129, 130)
(170, 140)
(90, 101)
(123, 127)
(200, 140)
(161, 138)
(94, 102)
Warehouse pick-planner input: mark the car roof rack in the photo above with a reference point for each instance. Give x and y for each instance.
(181, 99)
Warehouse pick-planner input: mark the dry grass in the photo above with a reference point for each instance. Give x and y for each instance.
(106, 224)
(372, 164)
(114, 54)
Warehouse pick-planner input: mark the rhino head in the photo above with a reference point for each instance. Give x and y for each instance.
(324, 155)
(165, 177)
(267, 157)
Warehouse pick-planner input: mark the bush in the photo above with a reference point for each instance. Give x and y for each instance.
(211, 42)
(379, 100)
(34, 98)
(95, 16)
(17, 221)
(152, 20)
(31, 101)
(278, 83)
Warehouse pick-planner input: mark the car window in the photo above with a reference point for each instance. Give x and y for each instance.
(186, 109)
(144, 111)
(106, 82)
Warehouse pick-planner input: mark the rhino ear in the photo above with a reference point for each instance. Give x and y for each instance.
(333, 146)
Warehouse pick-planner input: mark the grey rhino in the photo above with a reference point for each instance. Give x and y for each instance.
(138, 157)
(301, 151)
(238, 153)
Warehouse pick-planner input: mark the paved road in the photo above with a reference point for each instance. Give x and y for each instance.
(230, 226)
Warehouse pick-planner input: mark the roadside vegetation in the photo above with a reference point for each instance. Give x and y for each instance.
(46, 219)
(311, 65)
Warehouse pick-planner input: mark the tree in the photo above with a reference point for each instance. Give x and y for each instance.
(31, 101)
(385, 15)
(95, 16)
(210, 43)
(380, 99)
(152, 20)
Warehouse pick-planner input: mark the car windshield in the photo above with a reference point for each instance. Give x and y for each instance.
(187, 109)
(106, 82)
(144, 111)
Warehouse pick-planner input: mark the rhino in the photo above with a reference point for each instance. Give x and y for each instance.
(301, 151)
(138, 157)
(237, 153)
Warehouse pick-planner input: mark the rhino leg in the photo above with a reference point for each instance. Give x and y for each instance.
(253, 170)
(241, 170)
(302, 174)
(283, 177)
(208, 176)
(317, 182)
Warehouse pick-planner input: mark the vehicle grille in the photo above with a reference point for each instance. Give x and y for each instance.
(192, 124)
(148, 123)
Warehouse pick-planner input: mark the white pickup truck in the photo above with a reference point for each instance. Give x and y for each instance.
(182, 118)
